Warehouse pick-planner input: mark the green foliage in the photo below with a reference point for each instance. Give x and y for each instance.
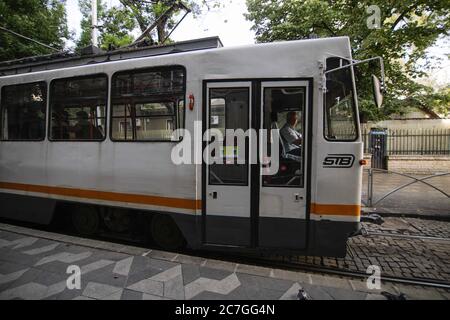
(426, 98)
(146, 14)
(408, 29)
(42, 20)
(115, 25)
(118, 22)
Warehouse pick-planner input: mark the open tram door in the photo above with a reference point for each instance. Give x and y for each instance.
(262, 202)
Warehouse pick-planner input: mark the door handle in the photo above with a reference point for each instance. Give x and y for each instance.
(297, 197)
(213, 194)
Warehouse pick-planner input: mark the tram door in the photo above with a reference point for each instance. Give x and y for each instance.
(283, 195)
(244, 205)
(226, 217)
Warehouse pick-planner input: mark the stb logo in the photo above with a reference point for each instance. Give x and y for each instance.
(339, 161)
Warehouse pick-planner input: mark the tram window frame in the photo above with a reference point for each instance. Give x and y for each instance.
(330, 65)
(2, 96)
(304, 133)
(50, 105)
(226, 118)
(179, 103)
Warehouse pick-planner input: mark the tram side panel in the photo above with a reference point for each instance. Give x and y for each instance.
(335, 210)
(21, 163)
(35, 175)
(336, 174)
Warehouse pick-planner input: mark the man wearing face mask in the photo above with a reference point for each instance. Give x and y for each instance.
(291, 137)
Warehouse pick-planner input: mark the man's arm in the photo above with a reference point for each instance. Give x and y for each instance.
(288, 135)
(291, 136)
(297, 142)
(298, 137)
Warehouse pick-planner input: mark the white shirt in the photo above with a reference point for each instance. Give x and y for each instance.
(290, 135)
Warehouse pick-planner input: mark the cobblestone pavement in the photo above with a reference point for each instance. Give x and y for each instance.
(400, 257)
(418, 198)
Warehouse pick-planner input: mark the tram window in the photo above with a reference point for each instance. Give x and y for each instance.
(78, 108)
(284, 110)
(340, 115)
(147, 105)
(23, 111)
(228, 109)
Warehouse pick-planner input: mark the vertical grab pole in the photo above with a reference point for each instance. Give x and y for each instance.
(369, 188)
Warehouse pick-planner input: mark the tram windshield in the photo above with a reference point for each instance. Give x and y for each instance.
(340, 107)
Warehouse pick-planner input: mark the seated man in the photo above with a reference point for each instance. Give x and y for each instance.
(61, 126)
(84, 129)
(292, 138)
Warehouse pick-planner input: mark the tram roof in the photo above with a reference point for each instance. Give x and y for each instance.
(65, 59)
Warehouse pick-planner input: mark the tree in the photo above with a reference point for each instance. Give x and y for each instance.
(147, 12)
(115, 25)
(407, 30)
(41, 20)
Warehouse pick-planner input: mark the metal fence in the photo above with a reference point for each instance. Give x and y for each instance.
(414, 141)
(370, 201)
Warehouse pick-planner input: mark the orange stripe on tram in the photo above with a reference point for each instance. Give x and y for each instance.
(319, 209)
(104, 195)
(336, 209)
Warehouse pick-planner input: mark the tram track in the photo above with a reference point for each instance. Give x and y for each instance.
(426, 282)
(314, 268)
(321, 269)
(405, 236)
(436, 230)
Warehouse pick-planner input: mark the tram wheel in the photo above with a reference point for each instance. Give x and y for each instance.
(165, 232)
(86, 220)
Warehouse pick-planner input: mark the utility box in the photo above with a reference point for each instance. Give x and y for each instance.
(378, 148)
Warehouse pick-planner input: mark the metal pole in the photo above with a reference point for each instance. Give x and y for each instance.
(369, 188)
(173, 29)
(94, 23)
(154, 24)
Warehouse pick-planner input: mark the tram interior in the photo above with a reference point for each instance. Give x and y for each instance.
(279, 106)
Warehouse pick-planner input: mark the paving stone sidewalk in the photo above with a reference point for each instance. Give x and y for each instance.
(33, 265)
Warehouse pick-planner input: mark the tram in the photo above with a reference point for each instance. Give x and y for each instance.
(93, 137)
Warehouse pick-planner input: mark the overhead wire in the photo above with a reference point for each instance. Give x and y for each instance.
(29, 39)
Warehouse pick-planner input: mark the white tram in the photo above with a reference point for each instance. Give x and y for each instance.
(93, 137)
